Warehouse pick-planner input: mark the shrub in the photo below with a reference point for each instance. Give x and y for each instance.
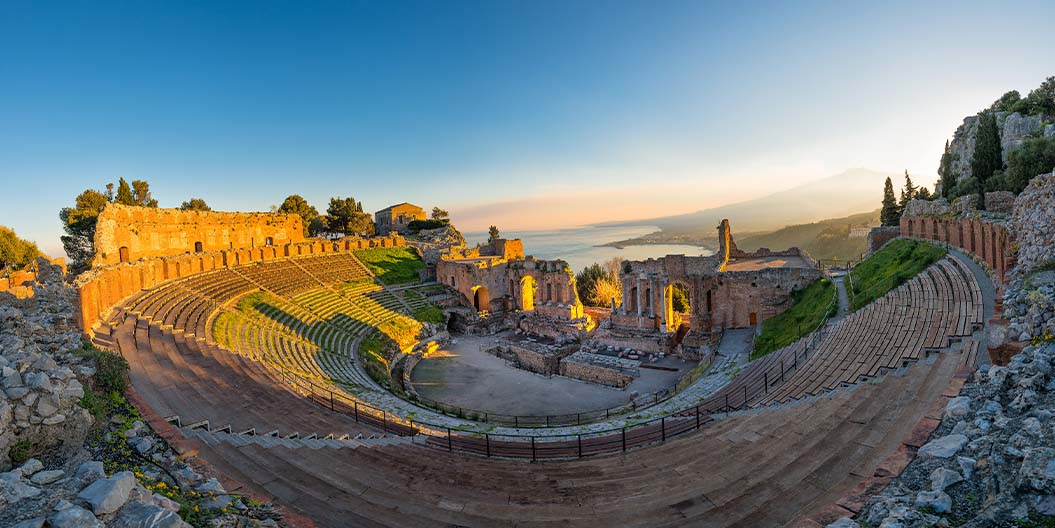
(20, 451)
(1035, 157)
(418, 225)
(110, 368)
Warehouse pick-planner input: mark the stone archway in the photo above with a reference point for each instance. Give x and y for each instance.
(481, 299)
(528, 287)
(122, 253)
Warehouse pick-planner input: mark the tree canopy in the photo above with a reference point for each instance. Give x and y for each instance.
(15, 253)
(1036, 156)
(138, 194)
(597, 284)
(493, 234)
(346, 216)
(296, 204)
(440, 214)
(195, 204)
(79, 221)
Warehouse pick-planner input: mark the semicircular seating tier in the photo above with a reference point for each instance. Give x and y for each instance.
(759, 468)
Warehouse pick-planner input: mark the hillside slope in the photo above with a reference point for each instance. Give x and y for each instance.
(827, 239)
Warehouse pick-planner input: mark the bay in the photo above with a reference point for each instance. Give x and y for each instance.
(581, 246)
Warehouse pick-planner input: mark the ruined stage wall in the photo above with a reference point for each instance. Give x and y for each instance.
(126, 234)
(988, 240)
(103, 287)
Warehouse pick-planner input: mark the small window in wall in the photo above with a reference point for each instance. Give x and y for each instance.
(123, 253)
(269, 241)
(754, 318)
(197, 247)
(452, 280)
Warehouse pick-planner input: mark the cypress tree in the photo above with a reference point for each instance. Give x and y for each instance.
(986, 158)
(124, 194)
(908, 193)
(889, 215)
(948, 180)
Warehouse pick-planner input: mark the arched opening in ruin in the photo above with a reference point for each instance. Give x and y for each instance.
(122, 253)
(452, 281)
(197, 247)
(527, 293)
(631, 300)
(481, 299)
(549, 292)
(677, 307)
(269, 241)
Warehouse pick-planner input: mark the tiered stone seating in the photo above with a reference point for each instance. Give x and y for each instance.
(943, 302)
(334, 269)
(765, 468)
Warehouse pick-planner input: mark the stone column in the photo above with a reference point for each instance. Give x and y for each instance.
(663, 308)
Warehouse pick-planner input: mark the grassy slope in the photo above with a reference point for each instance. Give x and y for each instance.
(888, 268)
(392, 265)
(810, 307)
(827, 239)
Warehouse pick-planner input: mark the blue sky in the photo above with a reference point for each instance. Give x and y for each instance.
(525, 114)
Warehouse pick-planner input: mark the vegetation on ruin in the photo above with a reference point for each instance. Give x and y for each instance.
(810, 307)
(397, 265)
(1035, 156)
(15, 253)
(373, 358)
(430, 314)
(418, 225)
(598, 284)
(195, 204)
(296, 204)
(346, 216)
(110, 368)
(79, 221)
(888, 268)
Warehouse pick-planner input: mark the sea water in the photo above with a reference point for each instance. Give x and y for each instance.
(582, 246)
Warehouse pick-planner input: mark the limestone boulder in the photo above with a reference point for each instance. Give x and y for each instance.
(109, 494)
(944, 447)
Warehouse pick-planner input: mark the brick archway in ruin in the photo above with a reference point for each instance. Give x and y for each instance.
(481, 299)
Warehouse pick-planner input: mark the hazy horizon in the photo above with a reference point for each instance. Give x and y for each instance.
(524, 116)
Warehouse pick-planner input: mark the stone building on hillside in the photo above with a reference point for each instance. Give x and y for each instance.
(397, 217)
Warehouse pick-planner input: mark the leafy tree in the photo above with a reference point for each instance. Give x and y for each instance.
(138, 194)
(889, 215)
(586, 282)
(948, 179)
(439, 214)
(79, 223)
(1039, 101)
(15, 253)
(924, 194)
(492, 234)
(141, 192)
(679, 298)
(195, 204)
(1036, 156)
(986, 158)
(296, 204)
(907, 194)
(1007, 102)
(317, 226)
(346, 216)
(606, 289)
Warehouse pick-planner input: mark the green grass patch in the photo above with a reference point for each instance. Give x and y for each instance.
(397, 265)
(20, 451)
(430, 314)
(810, 307)
(888, 268)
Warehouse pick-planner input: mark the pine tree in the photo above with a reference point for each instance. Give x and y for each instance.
(492, 233)
(889, 215)
(987, 159)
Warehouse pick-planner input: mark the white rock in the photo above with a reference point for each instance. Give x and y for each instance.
(47, 477)
(845, 522)
(958, 406)
(146, 515)
(109, 494)
(938, 501)
(942, 478)
(31, 466)
(944, 447)
(74, 517)
(90, 470)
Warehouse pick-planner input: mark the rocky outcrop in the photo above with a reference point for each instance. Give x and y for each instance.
(1034, 223)
(41, 376)
(1014, 129)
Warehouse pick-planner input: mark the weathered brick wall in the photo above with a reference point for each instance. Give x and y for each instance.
(878, 236)
(544, 285)
(126, 234)
(104, 287)
(988, 239)
(526, 359)
(594, 374)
